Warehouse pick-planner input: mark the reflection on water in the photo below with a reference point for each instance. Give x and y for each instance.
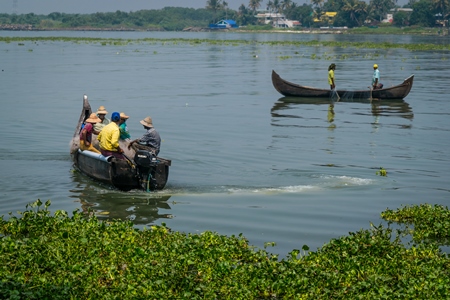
(395, 108)
(330, 117)
(390, 108)
(140, 207)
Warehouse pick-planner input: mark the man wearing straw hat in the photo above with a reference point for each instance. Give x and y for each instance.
(86, 133)
(109, 138)
(150, 141)
(101, 113)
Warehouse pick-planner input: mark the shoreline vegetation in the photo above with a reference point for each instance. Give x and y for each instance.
(77, 256)
(412, 30)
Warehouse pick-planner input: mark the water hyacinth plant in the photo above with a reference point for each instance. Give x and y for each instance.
(44, 256)
(175, 41)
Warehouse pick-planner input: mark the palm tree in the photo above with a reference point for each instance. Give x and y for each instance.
(317, 3)
(254, 4)
(442, 7)
(354, 7)
(318, 9)
(224, 6)
(286, 4)
(411, 3)
(276, 5)
(381, 7)
(214, 5)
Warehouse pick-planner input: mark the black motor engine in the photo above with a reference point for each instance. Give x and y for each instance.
(146, 163)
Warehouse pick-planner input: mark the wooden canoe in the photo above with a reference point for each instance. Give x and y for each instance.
(290, 89)
(141, 170)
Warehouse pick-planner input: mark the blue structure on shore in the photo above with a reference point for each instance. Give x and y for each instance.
(224, 24)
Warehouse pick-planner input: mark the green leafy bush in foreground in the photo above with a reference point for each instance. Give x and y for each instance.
(80, 257)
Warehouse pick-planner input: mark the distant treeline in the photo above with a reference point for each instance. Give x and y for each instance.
(169, 18)
(350, 13)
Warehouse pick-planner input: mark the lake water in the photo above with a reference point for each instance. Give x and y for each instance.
(244, 159)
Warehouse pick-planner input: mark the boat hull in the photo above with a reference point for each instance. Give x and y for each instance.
(290, 89)
(118, 173)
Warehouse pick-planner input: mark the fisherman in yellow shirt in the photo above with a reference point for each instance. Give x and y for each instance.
(331, 69)
(109, 138)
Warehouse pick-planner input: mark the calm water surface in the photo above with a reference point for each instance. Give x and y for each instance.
(244, 158)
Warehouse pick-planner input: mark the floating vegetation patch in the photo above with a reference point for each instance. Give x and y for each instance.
(381, 172)
(45, 255)
(176, 41)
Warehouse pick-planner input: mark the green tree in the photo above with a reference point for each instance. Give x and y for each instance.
(422, 14)
(356, 9)
(410, 3)
(401, 18)
(301, 13)
(318, 9)
(441, 7)
(317, 3)
(214, 6)
(254, 5)
(246, 16)
(286, 5)
(380, 8)
(333, 5)
(276, 4)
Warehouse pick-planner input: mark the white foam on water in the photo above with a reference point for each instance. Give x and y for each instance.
(340, 181)
(322, 182)
(274, 190)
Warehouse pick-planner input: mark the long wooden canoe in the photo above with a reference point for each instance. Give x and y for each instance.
(287, 88)
(141, 170)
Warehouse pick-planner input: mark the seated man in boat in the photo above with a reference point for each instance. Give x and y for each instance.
(101, 113)
(150, 141)
(376, 78)
(86, 133)
(124, 133)
(109, 138)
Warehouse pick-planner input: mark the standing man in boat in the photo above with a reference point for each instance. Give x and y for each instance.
(109, 138)
(86, 133)
(101, 113)
(150, 141)
(331, 69)
(376, 78)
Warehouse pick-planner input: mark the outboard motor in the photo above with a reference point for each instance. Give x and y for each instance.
(146, 163)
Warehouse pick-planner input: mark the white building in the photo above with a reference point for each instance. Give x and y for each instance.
(390, 16)
(277, 20)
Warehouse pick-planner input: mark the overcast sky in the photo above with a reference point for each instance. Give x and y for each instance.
(44, 7)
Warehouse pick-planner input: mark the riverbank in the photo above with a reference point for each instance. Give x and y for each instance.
(412, 30)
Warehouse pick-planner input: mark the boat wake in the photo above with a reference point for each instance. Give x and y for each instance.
(317, 184)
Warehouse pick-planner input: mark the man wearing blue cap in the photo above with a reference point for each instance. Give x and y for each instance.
(109, 138)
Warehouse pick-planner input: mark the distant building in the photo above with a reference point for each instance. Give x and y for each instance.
(326, 17)
(390, 16)
(224, 24)
(277, 20)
